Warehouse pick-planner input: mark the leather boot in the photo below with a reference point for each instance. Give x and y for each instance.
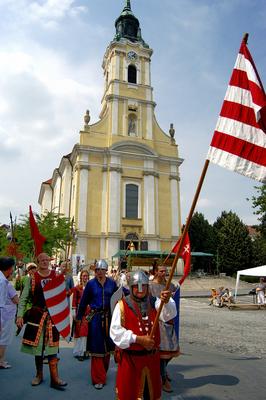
(39, 371)
(56, 382)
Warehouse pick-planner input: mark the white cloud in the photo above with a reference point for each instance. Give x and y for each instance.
(50, 73)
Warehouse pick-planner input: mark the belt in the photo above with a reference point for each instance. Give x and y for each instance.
(141, 352)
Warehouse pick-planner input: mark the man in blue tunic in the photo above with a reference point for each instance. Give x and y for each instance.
(97, 294)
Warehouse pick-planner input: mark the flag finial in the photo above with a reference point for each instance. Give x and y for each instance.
(245, 38)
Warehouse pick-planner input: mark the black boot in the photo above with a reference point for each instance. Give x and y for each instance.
(39, 371)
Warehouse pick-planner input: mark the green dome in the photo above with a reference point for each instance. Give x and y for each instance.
(127, 26)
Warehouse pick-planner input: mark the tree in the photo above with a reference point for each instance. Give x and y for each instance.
(259, 203)
(201, 239)
(258, 251)
(57, 230)
(234, 248)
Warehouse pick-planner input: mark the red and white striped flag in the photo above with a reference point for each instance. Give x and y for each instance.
(239, 140)
(54, 291)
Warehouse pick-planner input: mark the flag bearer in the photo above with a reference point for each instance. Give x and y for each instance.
(138, 357)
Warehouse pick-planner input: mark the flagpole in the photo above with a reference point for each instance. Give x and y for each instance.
(179, 249)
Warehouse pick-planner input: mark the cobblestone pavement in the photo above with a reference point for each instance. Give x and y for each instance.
(234, 331)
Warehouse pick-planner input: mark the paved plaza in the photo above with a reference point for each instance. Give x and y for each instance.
(196, 375)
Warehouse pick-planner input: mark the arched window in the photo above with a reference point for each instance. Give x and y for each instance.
(132, 74)
(132, 195)
(132, 125)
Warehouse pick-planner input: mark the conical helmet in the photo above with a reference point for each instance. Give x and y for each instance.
(138, 278)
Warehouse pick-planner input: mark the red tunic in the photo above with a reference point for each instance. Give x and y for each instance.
(136, 365)
(83, 328)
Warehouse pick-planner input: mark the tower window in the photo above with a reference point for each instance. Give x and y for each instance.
(132, 74)
(132, 201)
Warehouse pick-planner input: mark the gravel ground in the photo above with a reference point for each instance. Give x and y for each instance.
(235, 331)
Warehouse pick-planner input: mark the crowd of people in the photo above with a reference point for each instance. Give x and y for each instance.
(221, 297)
(111, 313)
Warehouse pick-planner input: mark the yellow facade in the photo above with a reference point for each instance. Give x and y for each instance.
(123, 182)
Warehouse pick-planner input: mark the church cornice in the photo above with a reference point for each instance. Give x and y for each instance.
(122, 46)
(174, 177)
(151, 173)
(110, 97)
(79, 166)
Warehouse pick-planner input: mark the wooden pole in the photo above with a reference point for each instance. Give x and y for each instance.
(178, 252)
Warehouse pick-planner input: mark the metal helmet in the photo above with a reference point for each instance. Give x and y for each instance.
(138, 278)
(101, 264)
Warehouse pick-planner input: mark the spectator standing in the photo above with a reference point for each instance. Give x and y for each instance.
(6, 271)
(260, 291)
(80, 330)
(66, 271)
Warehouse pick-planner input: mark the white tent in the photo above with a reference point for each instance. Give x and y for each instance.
(257, 271)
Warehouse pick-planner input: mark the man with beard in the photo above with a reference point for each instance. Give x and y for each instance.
(138, 354)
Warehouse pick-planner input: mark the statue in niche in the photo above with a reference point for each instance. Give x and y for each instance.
(132, 126)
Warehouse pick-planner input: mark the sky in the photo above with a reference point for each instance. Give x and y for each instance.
(51, 53)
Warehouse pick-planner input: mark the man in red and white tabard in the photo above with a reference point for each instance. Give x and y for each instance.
(41, 337)
(138, 375)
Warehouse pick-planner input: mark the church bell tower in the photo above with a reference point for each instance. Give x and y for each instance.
(120, 183)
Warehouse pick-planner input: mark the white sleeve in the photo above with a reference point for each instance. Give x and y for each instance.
(3, 293)
(168, 311)
(120, 336)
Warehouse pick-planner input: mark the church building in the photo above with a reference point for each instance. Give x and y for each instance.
(120, 183)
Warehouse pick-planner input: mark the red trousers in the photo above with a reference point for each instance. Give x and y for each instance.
(99, 368)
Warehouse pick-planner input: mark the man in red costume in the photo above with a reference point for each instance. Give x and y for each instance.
(138, 355)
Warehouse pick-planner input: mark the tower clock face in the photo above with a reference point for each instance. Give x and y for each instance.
(131, 55)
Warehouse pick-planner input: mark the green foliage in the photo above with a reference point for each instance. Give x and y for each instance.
(57, 230)
(3, 241)
(234, 247)
(259, 204)
(201, 239)
(201, 234)
(259, 251)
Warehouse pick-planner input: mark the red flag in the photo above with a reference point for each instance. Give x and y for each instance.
(186, 255)
(54, 291)
(38, 238)
(239, 140)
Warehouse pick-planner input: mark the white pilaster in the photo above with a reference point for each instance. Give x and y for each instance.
(153, 245)
(81, 246)
(117, 66)
(83, 198)
(104, 204)
(174, 201)
(149, 123)
(147, 73)
(149, 205)
(114, 117)
(112, 246)
(114, 195)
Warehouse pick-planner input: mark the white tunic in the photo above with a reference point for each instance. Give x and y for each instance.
(122, 337)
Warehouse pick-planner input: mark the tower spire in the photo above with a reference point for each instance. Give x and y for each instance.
(127, 6)
(127, 26)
